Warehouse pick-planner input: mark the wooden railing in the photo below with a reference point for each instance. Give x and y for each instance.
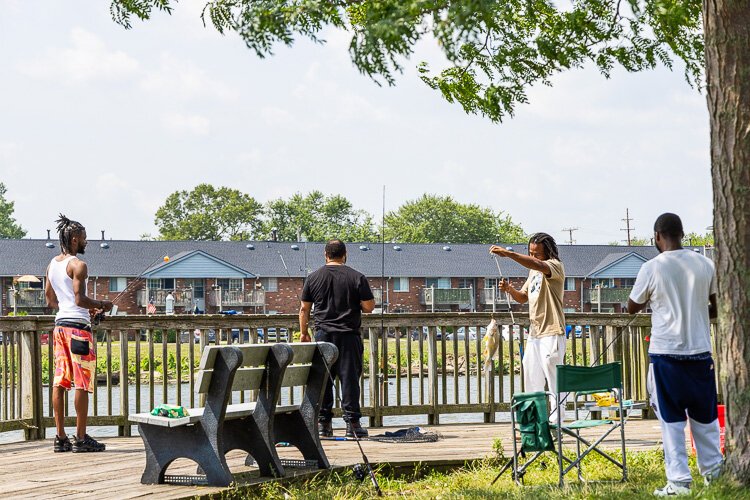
(417, 364)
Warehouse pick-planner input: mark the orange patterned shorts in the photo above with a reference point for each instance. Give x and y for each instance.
(75, 357)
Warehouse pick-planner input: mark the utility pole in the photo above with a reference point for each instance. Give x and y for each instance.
(629, 229)
(570, 230)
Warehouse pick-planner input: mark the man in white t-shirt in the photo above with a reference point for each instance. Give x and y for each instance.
(680, 286)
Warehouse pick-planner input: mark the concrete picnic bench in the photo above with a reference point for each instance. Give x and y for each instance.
(209, 432)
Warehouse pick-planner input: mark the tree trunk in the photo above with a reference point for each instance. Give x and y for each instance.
(727, 32)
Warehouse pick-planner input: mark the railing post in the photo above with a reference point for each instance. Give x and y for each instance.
(30, 381)
(489, 391)
(124, 430)
(377, 419)
(432, 375)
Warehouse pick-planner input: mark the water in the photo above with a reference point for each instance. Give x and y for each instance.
(407, 420)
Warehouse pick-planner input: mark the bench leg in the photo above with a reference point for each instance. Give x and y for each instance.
(292, 428)
(245, 434)
(165, 445)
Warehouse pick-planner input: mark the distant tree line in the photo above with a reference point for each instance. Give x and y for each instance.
(210, 213)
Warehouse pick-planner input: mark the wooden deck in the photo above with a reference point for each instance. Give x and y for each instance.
(31, 469)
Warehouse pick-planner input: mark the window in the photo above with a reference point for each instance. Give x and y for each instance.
(627, 282)
(231, 284)
(570, 284)
(569, 309)
(437, 282)
(270, 284)
(160, 283)
(400, 284)
(490, 283)
(465, 282)
(197, 286)
(117, 284)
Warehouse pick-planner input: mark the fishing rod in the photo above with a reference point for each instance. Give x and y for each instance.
(507, 296)
(358, 473)
(99, 317)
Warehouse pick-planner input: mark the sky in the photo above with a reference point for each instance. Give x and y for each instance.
(103, 123)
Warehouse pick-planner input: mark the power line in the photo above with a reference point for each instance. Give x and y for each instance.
(570, 230)
(629, 229)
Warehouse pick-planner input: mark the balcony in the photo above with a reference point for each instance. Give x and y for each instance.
(182, 298)
(27, 298)
(446, 296)
(608, 295)
(236, 298)
(489, 295)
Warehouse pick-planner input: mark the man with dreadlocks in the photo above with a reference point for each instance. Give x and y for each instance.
(75, 355)
(543, 290)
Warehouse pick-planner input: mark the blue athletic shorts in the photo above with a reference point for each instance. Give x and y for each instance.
(685, 385)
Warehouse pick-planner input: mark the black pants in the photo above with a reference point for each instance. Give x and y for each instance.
(348, 368)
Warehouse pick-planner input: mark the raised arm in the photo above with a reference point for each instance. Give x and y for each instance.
(526, 261)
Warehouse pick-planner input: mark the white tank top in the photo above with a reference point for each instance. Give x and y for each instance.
(63, 286)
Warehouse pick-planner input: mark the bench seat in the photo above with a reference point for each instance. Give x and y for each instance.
(234, 411)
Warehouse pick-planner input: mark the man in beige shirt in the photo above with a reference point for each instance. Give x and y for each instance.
(543, 290)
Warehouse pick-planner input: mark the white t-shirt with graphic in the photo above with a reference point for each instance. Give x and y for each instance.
(677, 283)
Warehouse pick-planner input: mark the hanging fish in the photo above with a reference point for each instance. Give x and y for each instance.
(491, 344)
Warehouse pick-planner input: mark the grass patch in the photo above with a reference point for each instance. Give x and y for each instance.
(645, 471)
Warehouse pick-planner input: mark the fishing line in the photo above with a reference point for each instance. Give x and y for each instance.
(99, 317)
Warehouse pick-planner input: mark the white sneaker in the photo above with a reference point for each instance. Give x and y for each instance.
(673, 489)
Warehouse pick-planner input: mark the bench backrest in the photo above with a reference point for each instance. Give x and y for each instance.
(248, 376)
(298, 372)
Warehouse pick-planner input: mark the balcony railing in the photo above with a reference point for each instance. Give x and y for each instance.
(182, 298)
(490, 295)
(608, 295)
(237, 298)
(26, 298)
(446, 296)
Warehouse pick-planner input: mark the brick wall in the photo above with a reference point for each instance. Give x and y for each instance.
(285, 299)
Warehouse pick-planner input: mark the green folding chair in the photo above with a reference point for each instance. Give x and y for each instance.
(581, 381)
(529, 419)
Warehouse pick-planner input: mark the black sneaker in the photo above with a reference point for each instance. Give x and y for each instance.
(87, 444)
(355, 427)
(62, 444)
(325, 428)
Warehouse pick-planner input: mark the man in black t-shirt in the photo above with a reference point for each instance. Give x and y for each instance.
(340, 295)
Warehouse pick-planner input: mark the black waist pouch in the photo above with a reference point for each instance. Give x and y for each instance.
(80, 347)
(77, 345)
